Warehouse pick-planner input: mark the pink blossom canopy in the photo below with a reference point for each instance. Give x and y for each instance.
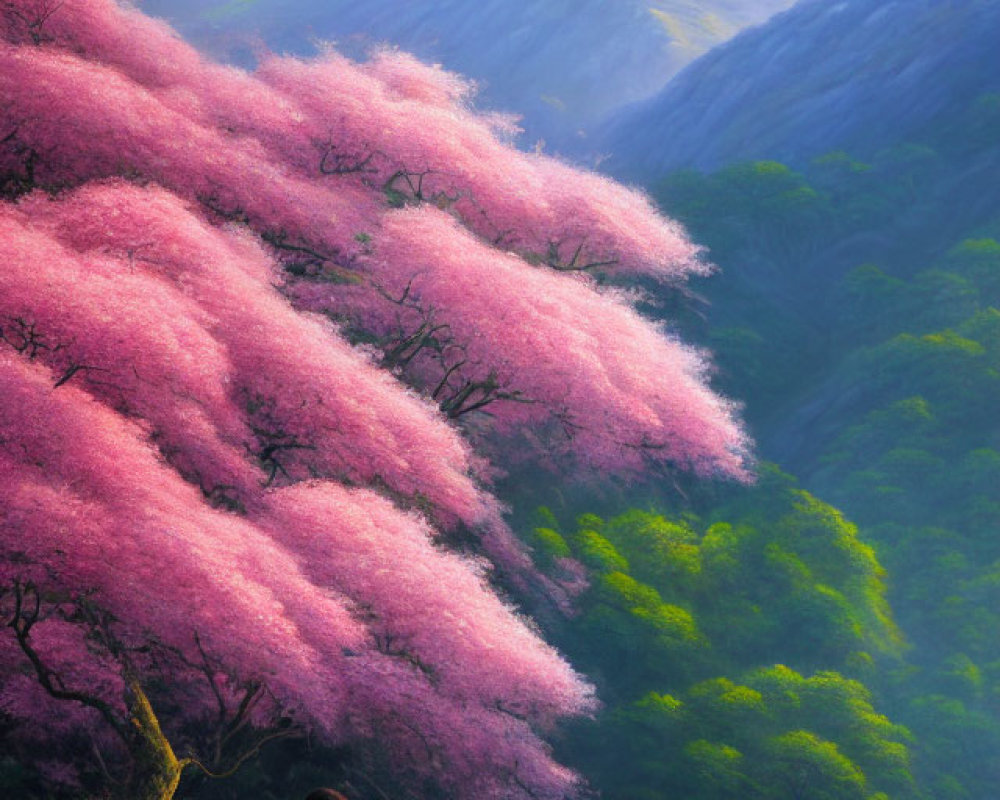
(259, 336)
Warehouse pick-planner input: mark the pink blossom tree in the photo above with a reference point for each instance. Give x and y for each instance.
(260, 336)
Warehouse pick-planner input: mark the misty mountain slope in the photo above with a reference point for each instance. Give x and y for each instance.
(560, 63)
(852, 75)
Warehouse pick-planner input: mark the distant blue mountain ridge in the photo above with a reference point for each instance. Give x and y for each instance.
(827, 74)
(562, 64)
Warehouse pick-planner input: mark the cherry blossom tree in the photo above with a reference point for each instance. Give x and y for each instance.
(260, 337)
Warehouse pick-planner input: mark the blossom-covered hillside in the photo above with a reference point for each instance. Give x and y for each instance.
(259, 335)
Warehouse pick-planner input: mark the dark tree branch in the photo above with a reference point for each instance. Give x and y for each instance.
(23, 336)
(15, 183)
(277, 241)
(272, 444)
(443, 384)
(413, 192)
(72, 370)
(27, 612)
(34, 20)
(334, 163)
(252, 752)
(554, 259)
(474, 395)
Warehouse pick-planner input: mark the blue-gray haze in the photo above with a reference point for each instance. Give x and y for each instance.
(827, 74)
(562, 64)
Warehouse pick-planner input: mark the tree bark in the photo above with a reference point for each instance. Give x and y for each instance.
(157, 770)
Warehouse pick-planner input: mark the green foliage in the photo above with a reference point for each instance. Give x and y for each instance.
(876, 381)
(763, 201)
(598, 553)
(859, 318)
(681, 626)
(717, 770)
(665, 552)
(978, 262)
(547, 546)
(775, 735)
(807, 766)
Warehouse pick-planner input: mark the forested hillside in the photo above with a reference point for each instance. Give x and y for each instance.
(733, 651)
(856, 315)
(859, 322)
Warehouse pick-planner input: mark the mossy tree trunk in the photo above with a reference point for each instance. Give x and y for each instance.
(157, 770)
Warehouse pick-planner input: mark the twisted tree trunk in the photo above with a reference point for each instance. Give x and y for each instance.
(157, 770)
